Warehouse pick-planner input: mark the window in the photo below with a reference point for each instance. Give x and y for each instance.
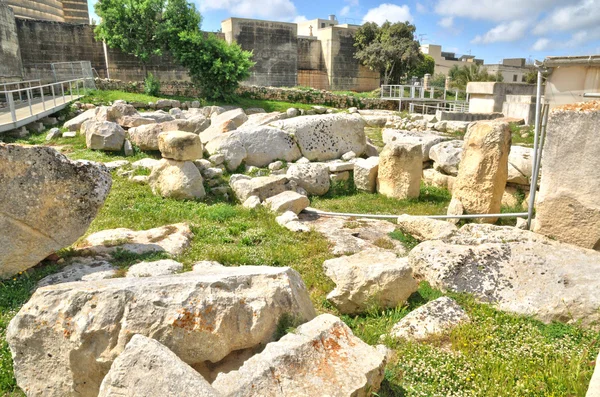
(322, 25)
(523, 78)
(515, 77)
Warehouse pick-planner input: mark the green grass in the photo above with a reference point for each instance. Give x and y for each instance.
(375, 134)
(368, 94)
(517, 131)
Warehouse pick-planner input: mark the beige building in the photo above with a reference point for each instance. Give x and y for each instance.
(513, 70)
(570, 78)
(71, 11)
(444, 61)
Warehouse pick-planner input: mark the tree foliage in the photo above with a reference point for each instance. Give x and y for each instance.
(438, 80)
(390, 49)
(426, 66)
(460, 76)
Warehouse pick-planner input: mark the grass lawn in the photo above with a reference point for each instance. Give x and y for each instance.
(496, 354)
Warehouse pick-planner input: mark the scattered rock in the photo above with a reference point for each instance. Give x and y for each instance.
(69, 134)
(446, 156)
(252, 202)
(230, 146)
(287, 201)
(177, 179)
(146, 163)
(276, 165)
(75, 123)
(400, 169)
(103, 135)
(81, 269)
(340, 166)
(423, 228)
(520, 165)
(348, 156)
(156, 268)
(433, 318)
(48, 202)
(179, 145)
(263, 187)
(54, 133)
(113, 165)
(321, 358)
(435, 178)
(425, 140)
(365, 174)
(266, 144)
(594, 388)
(371, 277)
(339, 177)
(312, 177)
(146, 136)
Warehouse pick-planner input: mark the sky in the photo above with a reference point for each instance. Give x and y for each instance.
(489, 29)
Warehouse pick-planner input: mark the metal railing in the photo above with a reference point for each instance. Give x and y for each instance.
(395, 92)
(423, 108)
(58, 71)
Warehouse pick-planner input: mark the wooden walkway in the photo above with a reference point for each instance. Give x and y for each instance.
(38, 110)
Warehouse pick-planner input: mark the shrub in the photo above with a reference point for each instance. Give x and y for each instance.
(151, 85)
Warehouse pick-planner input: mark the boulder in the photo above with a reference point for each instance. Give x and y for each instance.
(433, 318)
(327, 137)
(146, 136)
(569, 207)
(196, 124)
(365, 174)
(103, 135)
(258, 119)
(135, 121)
(54, 133)
(155, 268)
(146, 163)
(292, 112)
(179, 145)
(312, 177)
(435, 178)
(594, 387)
(177, 179)
(114, 165)
(520, 165)
(287, 201)
(340, 166)
(159, 116)
(172, 239)
(367, 278)
(483, 169)
(425, 140)
(237, 116)
(75, 123)
(65, 339)
(81, 269)
(456, 127)
(423, 228)
(147, 368)
(321, 358)
(516, 270)
(262, 187)
(116, 112)
(400, 169)
(266, 144)
(230, 146)
(252, 202)
(446, 156)
(48, 202)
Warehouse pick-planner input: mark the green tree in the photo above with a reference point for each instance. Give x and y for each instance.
(390, 49)
(426, 66)
(460, 76)
(438, 80)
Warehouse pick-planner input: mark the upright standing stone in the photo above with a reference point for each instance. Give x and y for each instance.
(483, 169)
(365, 174)
(568, 207)
(400, 169)
(594, 388)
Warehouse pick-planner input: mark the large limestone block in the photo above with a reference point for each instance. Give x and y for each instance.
(365, 174)
(426, 140)
(180, 146)
(160, 116)
(146, 368)
(483, 171)
(519, 271)
(370, 277)
(594, 387)
(237, 116)
(103, 135)
(48, 202)
(327, 137)
(320, 358)
(258, 119)
(446, 156)
(520, 165)
(195, 124)
(231, 147)
(266, 144)
(287, 201)
(66, 337)
(423, 228)
(75, 123)
(435, 178)
(262, 187)
(146, 136)
(569, 201)
(312, 177)
(433, 318)
(177, 179)
(400, 169)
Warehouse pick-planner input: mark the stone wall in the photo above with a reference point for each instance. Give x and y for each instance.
(47, 10)
(10, 54)
(489, 97)
(274, 45)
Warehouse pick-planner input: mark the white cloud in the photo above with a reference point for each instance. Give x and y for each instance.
(345, 11)
(577, 16)
(494, 10)
(541, 45)
(300, 18)
(351, 6)
(447, 22)
(421, 9)
(278, 10)
(506, 32)
(388, 12)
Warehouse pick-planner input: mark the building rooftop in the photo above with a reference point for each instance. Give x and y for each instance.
(572, 60)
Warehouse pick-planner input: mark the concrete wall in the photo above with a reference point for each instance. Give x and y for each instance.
(511, 74)
(567, 84)
(275, 49)
(520, 107)
(11, 68)
(47, 10)
(76, 11)
(489, 97)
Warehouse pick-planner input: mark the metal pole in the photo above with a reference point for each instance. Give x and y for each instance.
(53, 94)
(42, 95)
(377, 216)
(29, 95)
(11, 105)
(538, 109)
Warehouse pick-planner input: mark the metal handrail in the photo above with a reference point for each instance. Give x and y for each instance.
(46, 85)
(397, 91)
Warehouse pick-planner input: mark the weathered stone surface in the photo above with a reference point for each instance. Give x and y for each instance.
(54, 133)
(75, 123)
(433, 177)
(216, 130)
(66, 337)
(433, 318)
(340, 166)
(594, 387)
(146, 368)
(266, 144)
(312, 177)
(258, 119)
(371, 277)
(119, 112)
(230, 146)
(251, 202)
(195, 124)
(146, 163)
(287, 201)
(156, 268)
(262, 187)
(365, 174)
(400, 169)
(159, 116)
(146, 136)
(569, 201)
(237, 116)
(520, 165)
(103, 135)
(483, 169)
(321, 358)
(520, 271)
(446, 156)
(48, 202)
(425, 140)
(113, 165)
(292, 112)
(177, 179)
(423, 228)
(81, 269)
(180, 145)
(135, 121)
(172, 239)
(327, 137)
